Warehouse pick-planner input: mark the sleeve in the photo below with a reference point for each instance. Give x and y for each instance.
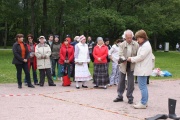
(76, 53)
(48, 52)
(16, 54)
(61, 54)
(27, 52)
(111, 51)
(106, 53)
(72, 55)
(144, 51)
(88, 57)
(37, 54)
(94, 53)
(121, 54)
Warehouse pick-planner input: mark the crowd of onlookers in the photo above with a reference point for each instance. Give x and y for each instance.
(62, 59)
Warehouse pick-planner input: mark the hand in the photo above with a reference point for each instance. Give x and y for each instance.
(111, 58)
(66, 61)
(99, 59)
(43, 57)
(129, 59)
(31, 56)
(25, 60)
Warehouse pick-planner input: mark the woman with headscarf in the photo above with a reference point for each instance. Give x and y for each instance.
(81, 62)
(21, 55)
(42, 53)
(100, 52)
(66, 58)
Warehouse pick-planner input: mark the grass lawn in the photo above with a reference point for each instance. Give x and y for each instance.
(165, 60)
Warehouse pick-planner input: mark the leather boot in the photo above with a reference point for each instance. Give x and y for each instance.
(172, 109)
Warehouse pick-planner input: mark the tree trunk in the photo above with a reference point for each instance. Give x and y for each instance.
(32, 17)
(25, 20)
(44, 29)
(155, 42)
(5, 38)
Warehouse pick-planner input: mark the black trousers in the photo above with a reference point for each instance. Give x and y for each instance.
(19, 68)
(46, 71)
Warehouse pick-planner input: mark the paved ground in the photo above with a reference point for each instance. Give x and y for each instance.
(68, 103)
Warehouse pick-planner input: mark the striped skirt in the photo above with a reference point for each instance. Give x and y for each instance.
(101, 76)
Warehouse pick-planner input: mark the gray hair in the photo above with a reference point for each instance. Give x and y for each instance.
(99, 38)
(126, 32)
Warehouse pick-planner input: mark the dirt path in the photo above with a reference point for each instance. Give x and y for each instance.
(68, 103)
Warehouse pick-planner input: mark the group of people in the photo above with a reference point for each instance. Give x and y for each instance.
(129, 58)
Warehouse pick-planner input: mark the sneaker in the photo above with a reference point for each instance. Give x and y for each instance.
(140, 106)
(140, 102)
(105, 87)
(54, 77)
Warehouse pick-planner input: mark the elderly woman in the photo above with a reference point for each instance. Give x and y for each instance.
(143, 66)
(100, 52)
(114, 56)
(81, 60)
(20, 59)
(66, 58)
(42, 53)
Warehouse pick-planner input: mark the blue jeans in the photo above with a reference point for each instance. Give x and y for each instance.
(142, 83)
(54, 63)
(34, 75)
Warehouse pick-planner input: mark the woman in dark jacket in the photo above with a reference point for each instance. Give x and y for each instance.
(21, 55)
(55, 47)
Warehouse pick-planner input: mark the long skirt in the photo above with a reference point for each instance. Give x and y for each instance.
(82, 72)
(101, 76)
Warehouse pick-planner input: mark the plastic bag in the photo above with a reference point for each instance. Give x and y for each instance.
(166, 73)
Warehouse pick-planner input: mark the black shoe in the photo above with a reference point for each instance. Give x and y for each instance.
(96, 86)
(130, 101)
(31, 86)
(36, 83)
(84, 86)
(52, 84)
(41, 85)
(77, 87)
(118, 100)
(19, 86)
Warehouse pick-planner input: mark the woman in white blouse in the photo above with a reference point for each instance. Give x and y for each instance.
(143, 66)
(114, 56)
(81, 62)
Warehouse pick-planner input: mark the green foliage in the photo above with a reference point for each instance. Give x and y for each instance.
(90, 17)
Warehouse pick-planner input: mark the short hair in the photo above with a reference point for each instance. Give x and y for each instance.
(50, 35)
(118, 41)
(141, 34)
(19, 36)
(30, 35)
(128, 31)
